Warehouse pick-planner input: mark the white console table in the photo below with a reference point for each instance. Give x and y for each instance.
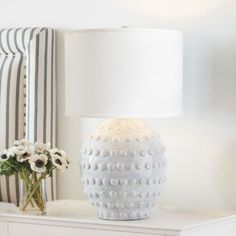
(77, 218)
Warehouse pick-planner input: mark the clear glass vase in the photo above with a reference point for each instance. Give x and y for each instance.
(32, 190)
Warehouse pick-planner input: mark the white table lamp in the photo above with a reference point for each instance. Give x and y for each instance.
(123, 74)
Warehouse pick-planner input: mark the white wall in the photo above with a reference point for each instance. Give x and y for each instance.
(201, 145)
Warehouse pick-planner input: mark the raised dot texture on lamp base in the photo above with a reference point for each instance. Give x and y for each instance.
(123, 169)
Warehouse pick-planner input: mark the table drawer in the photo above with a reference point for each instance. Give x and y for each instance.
(227, 229)
(3, 228)
(16, 229)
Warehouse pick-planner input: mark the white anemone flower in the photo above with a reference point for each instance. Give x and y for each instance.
(41, 147)
(22, 153)
(56, 151)
(61, 153)
(59, 162)
(4, 155)
(38, 162)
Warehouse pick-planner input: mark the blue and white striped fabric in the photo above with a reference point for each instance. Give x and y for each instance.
(27, 95)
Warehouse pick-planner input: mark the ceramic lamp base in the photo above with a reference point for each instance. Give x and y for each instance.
(123, 169)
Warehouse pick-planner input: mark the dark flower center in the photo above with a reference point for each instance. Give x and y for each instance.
(58, 153)
(4, 156)
(57, 161)
(39, 163)
(25, 155)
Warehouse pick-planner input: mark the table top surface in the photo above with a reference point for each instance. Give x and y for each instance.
(81, 212)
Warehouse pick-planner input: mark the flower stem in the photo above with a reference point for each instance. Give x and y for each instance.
(35, 191)
(25, 178)
(38, 195)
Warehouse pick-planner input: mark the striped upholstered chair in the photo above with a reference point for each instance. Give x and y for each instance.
(27, 95)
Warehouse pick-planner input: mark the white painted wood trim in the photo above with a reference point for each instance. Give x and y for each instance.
(228, 220)
(79, 218)
(74, 223)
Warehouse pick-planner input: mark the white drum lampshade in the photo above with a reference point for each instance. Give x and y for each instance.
(122, 74)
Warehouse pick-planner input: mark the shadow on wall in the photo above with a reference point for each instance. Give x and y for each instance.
(226, 176)
(201, 155)
(209, 73)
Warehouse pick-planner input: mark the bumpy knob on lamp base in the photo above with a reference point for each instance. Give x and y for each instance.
(123, 169)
